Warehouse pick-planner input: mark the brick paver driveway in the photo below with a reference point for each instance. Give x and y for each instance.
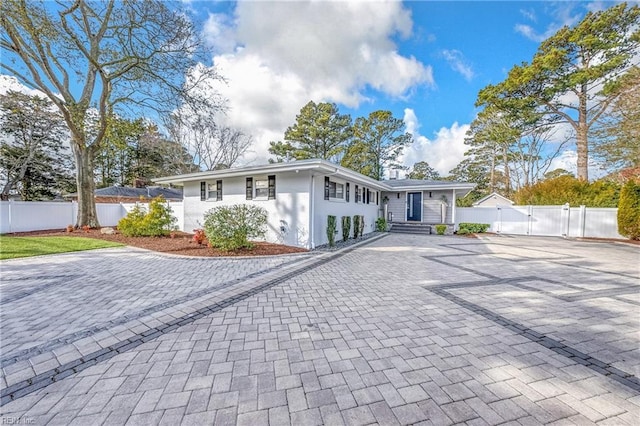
(404, 329)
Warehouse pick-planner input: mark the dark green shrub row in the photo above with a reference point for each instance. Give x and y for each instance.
(346, 227)
(381, 224)
(472, 228)
(629, 211)
(331, 230)
(356, 226)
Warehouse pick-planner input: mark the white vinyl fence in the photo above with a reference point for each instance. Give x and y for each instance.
(24, 216)
(558, 221)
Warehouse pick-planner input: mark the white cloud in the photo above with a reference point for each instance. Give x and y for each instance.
(320, 51)
(8, 82)
(457, 62)
(443, 152)
(563, 15)
(530, 14)
(568, 160)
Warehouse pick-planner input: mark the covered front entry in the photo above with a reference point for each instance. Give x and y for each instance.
(414, 206)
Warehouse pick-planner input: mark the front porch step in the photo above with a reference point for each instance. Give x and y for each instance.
(410, 228)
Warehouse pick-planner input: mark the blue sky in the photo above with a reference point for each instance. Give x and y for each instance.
(425, 61)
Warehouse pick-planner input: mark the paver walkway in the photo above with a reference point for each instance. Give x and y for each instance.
(403, 330)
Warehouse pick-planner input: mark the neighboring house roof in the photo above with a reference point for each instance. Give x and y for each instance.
(136, 193)
(494, 196)
(321, 166)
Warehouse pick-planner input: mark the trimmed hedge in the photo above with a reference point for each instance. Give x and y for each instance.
(346, 227)
(629, 211)
(331, 230)
(472, 228)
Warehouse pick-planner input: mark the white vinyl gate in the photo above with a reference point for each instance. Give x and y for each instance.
(555, 221)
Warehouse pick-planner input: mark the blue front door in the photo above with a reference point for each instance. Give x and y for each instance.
(414, 206)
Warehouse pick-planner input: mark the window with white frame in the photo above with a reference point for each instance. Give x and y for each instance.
(336, 190)
(262, 189)
(214, 191)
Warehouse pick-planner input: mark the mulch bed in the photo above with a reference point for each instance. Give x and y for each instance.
(181, 244)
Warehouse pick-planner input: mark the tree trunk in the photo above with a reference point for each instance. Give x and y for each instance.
(507, 172)
(87, 214)
(492, 178)
(582, 147)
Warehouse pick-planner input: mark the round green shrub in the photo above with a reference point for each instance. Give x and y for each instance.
(155, 222)
(441, 229)
(381, 224)
(230, 227)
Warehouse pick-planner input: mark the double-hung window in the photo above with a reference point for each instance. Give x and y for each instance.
(333, 190)
(214, 191)
(336, 190)
(261, 188)
(211, 191)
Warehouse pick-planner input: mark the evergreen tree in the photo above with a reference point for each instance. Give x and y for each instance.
(378, 141)
(574, 75)
(320, 131)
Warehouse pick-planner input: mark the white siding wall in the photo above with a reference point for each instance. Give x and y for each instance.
(290, 209)
(337, 208)
(431, 210)
(396, 206)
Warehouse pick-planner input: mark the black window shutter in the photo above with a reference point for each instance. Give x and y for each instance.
(346, 195)
(219, 190)
(249, 188)
(203, 191)
(357, 197)
(377, 198)
(365, 195)
(326, 187)
(272, 187)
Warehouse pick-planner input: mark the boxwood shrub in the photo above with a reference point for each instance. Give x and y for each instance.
(472, 228)
(230, 227)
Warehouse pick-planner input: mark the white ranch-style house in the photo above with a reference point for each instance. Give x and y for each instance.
(299, 196)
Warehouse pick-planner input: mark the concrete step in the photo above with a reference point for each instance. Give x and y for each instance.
(403, 228)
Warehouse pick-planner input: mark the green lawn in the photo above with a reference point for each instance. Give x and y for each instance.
(13, 247)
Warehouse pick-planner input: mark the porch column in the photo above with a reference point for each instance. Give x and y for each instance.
(453, 209)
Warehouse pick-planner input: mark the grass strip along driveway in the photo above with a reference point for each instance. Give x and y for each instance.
(14, 247)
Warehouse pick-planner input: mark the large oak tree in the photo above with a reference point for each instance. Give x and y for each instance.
(98, 57)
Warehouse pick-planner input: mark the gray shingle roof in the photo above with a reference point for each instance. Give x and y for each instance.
(397, 183)
(129, 192)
